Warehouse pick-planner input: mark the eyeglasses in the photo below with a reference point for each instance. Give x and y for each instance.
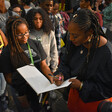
(22, 35)
(18, 12)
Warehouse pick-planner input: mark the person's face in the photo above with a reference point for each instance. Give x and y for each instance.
(17, 10)
(77, 36)
(56, 8)
(38, 21)
(2, 3)
(83, 4)
(22, 33)
(48, 6)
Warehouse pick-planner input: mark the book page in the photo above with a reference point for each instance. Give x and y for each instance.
(34, 77)
(37, 80)
(53, 86)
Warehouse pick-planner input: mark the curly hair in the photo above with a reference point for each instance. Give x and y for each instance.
(17, 55)
(47, 24)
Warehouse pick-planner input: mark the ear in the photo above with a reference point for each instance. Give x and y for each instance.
(90, 32)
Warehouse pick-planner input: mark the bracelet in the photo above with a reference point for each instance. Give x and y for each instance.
(81, 86)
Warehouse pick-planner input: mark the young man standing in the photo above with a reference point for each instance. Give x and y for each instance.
(47, 5)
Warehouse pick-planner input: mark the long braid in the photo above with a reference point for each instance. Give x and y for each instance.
(17, 55)
(88, 20)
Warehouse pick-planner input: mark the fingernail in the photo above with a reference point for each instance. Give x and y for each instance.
(60, 78)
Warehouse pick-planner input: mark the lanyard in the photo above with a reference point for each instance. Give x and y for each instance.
(31, 57)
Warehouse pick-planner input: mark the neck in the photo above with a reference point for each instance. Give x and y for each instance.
(89, 44)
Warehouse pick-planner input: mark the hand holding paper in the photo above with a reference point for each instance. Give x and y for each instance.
(38, 81)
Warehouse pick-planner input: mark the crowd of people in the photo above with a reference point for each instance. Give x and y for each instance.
(63, 38)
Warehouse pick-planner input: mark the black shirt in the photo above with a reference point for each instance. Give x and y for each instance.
(37, 52)
(38, 55)
(97, 85)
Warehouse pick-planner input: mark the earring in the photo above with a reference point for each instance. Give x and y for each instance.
(89, 40)
(74, 15)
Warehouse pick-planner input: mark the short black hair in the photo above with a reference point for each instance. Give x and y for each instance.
(27, 2)
(23, 14)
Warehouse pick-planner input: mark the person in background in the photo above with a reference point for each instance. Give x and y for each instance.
(26, 5)
(35, 2)
(47, 5)
(4, 14)
(107, 15)
(3, 98)
(71, 6)
(87, 4)
(7, 4)
(14, 2)
(88, 57)
(22, 51)
(99, 6)
(18, 9)
(59, 18)
(41, 29)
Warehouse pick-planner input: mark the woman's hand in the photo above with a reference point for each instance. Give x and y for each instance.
(75, 83)
(58, 79)
(51, 79)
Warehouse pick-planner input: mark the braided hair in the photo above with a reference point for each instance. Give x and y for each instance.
(17, 55)
(87, 20)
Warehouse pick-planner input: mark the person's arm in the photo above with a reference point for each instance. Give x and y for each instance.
(46, 70)
(43, 65)
(92, 91)
(63, 71)
(4, 38)
(53, 53)
(99, 87)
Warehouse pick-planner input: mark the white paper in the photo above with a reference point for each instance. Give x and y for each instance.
(37, 80)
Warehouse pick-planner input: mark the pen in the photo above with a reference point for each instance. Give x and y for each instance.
(59, 78)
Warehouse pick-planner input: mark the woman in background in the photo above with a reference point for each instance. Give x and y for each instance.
(41, 29)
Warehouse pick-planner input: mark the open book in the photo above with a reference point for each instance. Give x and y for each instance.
(37, 80)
